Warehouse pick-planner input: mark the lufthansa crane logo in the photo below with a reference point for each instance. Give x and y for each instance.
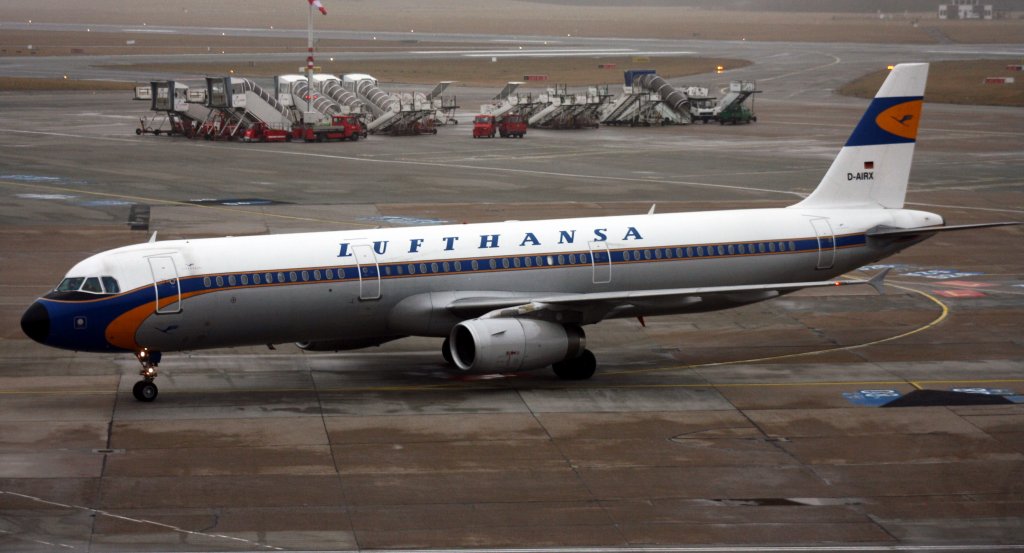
(901, 119)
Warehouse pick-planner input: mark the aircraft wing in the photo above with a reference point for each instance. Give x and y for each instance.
(592, 307)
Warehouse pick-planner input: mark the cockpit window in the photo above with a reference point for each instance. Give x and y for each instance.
(92, 284)
(70, 284)
(110, 285)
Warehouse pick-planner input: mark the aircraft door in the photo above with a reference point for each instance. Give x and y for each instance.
(826, 242)
(166, 285)
(369, 272)
(601, 261)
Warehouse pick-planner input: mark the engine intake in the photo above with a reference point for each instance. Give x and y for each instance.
(512, 344)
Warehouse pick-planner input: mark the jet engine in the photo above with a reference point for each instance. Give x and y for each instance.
(512, 344)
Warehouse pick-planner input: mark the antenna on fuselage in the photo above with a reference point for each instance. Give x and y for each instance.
(153, 238)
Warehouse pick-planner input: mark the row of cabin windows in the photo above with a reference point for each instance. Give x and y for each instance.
(271, 278)
(515, 262)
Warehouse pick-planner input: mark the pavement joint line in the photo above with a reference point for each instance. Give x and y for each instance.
(466, 386)
(178, 203)
(942, 316)
(137, 520)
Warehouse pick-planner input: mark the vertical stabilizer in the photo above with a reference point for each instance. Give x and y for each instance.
(873, 167)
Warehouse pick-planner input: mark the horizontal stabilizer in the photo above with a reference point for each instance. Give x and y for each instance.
(896, 232)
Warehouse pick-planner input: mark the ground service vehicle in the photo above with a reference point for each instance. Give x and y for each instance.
(340, 127)
(736, 114)
(260, 132)
(509, 126)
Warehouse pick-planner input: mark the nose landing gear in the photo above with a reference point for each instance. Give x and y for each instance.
(145, 390)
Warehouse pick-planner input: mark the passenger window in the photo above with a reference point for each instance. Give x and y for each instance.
(110, 285)
(292, 276)
(92, 284)
(256, 278)
(70, 284)
(305, 276)
(220, 281)
(474, 265)
(245, 280)
(504, 262)
(792, 246)
(458, 265)
(329, 274)
(206, 282)
(231, 280)
(493, 264)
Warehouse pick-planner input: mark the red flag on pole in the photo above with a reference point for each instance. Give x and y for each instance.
(318, 5)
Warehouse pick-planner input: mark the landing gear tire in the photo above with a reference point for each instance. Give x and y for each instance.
(145, 390)
(580, 368)
(446, 352)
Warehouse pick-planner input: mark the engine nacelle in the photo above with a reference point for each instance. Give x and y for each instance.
(512, 344)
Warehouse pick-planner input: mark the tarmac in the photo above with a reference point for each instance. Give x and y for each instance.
(761, 426)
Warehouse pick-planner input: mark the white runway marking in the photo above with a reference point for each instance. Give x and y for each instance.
(136, 520)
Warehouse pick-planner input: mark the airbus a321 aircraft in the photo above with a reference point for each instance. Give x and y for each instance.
(510, 296)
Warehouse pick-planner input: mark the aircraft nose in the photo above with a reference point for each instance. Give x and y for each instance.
(35, 323)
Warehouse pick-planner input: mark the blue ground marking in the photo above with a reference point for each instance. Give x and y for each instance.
(1007, 393)
(871, 398)
(404, 221)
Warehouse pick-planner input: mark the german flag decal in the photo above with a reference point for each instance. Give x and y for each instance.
(888, 121)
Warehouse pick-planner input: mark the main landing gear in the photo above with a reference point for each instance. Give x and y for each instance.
(145, 390)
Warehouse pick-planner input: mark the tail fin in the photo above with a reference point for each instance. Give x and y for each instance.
(873, 167)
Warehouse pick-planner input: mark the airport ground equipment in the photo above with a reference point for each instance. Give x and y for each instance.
(170, 102)
(508, 125)
(561, 109)
(241, 103)
(332, 87)
(509, 100)
(444, 105)
(731, 108)
(648, 99)
(309, 106)
(395, 114)
(339, 127)
(260, 132)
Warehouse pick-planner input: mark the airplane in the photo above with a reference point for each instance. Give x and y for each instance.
(506, 297)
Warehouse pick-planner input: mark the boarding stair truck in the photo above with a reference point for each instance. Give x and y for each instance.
(392, 113)
(444, 105)
(243, 103)
(509, 100)
(307, 106)
(626, 109)
(731, 108)
(673, 106)
(331, 86)
(567, 110)
(169, 99)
